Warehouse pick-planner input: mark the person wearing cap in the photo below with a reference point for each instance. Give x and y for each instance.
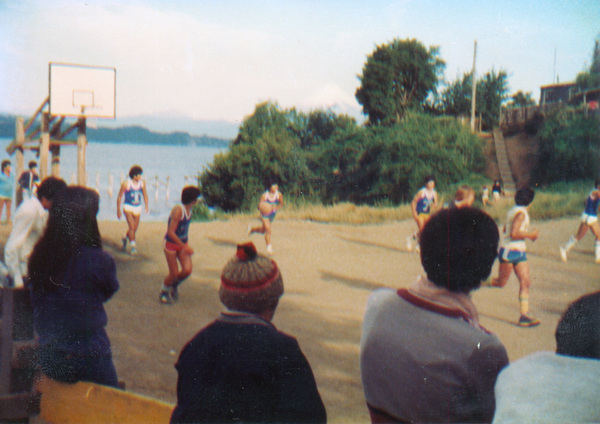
(424, 357)
(176, 245)
(240, 368)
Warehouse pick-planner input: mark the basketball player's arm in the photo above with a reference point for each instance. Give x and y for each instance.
(280, 205)
(145, 197)
(119, 196)
(517, 234)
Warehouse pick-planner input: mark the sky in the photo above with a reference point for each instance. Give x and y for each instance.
(217, 59)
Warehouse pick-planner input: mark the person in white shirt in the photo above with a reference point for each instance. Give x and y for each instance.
(28, 225)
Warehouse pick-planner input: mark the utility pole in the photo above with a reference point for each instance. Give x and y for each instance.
(474, 91)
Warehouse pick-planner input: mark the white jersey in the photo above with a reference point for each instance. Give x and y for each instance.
(507, 241)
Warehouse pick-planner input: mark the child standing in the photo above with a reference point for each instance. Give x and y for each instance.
(132, 190)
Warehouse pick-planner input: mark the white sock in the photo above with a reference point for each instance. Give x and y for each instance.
(572, 242)
(597, 249)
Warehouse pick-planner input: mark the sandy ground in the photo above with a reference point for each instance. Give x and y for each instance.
(328, 271)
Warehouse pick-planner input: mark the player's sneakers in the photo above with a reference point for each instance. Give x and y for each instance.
(418, 249)
(597, 260)
(133, 250)
(525, 321)
(270, 249)
(490, 282)
(563, 254)
(249, 230)
(165, 298)
(409, 243)
(124, 244)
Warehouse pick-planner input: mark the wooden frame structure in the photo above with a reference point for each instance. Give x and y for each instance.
(46, 138)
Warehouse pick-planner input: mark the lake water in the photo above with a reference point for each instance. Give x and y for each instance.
(172, 164)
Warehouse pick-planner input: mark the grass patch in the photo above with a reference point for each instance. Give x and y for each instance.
(557, 201)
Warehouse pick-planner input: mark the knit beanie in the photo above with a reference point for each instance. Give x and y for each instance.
(250, 282)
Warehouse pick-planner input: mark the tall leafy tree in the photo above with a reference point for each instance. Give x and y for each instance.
(591, 79)
(520, 99)
(456, 97)
(492, 91)
(396, 77)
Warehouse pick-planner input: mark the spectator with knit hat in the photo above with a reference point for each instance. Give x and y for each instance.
(240, 368)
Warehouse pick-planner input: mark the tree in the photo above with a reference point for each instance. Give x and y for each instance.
(492, 91)
(396, 77)
(456, 98)
(591, 79)
(520, 99)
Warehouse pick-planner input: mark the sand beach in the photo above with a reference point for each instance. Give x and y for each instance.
(328, 271)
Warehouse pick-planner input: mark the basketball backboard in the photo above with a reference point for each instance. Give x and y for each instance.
(82, 91)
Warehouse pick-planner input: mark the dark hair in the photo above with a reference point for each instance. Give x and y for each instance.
(458, 248)
(428, 178)
(50, 187)
(5, 163)
(524, 196)
(71, 224)
(578, 331)
(32, 164)
(189, 194)
(135, 170)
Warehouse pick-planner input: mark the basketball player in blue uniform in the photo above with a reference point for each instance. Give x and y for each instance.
(589, 219)
(176, 245)
(270, 202)
(423, 205)
(133, 191)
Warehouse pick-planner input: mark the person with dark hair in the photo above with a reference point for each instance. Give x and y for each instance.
(561, 387)
(270, 202)
(497, 190)
(424, 357)
(132, 190)
(176, 245)
(423, 205)
(589, 220)
(240, 368)
(513, 256)
(70, 278)
(29, 180)
(7, 185)
(29, 224)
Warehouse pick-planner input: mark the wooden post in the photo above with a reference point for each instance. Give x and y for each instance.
(81, 145)
(44, 146)
(55, 161)
(474, 90)
(19, 157)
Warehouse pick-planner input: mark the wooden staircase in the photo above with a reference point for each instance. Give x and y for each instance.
(508, 183)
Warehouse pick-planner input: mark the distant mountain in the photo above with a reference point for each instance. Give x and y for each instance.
(128, 134)
(176, 123)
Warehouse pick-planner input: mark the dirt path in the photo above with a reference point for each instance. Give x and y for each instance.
(328, 272)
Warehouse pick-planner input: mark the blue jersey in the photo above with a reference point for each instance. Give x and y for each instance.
(182, 228)
(6, 185)
(425, 201)
(591, 205)
(134, 194)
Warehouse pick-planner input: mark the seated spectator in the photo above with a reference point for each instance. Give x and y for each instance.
(424, 356)
(71, 277)
(240, 368)
(561, 387)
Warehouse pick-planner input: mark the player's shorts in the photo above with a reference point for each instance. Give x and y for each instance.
(588, 219)
(423, 215)
(136, 210)
(512, 256)
(171, 247)
(5, 197)
(270, 216)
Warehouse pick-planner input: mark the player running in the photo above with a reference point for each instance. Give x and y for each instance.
(589, 219)
(424, 203)
(176, 245)
(270, 202)
(512, 254)
(133, 190)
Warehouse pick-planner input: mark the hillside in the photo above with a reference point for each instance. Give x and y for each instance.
(522, 150)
